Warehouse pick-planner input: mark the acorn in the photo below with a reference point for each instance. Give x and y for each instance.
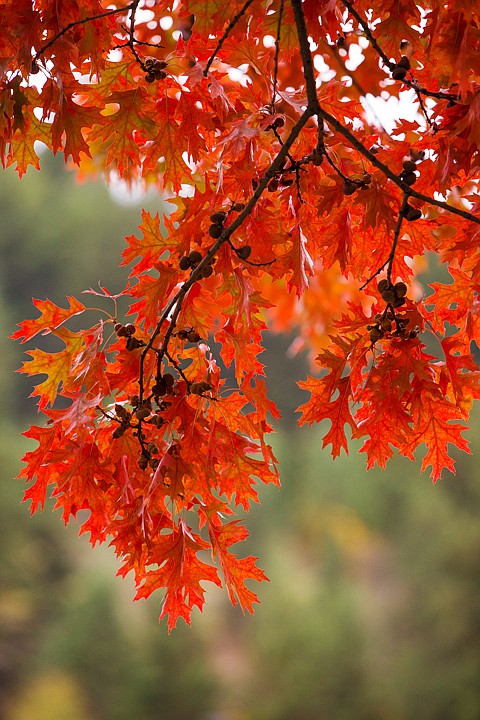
(404, 62)
(207, 271)
(195, 257)
(408, 177)
(142, 412)
(409, 165)
(375, 334)
(215, 230)
(121, 330)
(160, 387)
(244, 252)
(349, 187)
(130, 329)
(317, 157)
(238, 207)
(383, 285)
(218, 218)
(121, 412)
(169, 380)
(412, 213)
(389, 295)
(142, 462)
(118, 432)
(185, 263)
(193, 336)
(400, 289)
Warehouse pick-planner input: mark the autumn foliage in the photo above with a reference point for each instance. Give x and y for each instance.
(292, 208)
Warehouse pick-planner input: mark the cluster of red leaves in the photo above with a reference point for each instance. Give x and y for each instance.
(289, 204)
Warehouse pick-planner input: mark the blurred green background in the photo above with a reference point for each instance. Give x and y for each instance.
(372, 611)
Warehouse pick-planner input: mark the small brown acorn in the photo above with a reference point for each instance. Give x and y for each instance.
(400, 289)
(218, 218)
(375, 334)
(207, 271)
(349, 187)
(169, 380)
(409, 165)
(412, 213)
(195, 257)
(244, 252)
(408, 177)
(215, 230)
(142, 413)
(142, 462)
(193, 336)
(185, 263)
(389, 295)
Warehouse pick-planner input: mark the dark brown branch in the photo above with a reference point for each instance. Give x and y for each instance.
(305, 53)
(225, 35)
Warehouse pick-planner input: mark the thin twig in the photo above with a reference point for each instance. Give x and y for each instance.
(225, 35)
(391, 256)
(73, 24)
(277, 52)
(368, 34)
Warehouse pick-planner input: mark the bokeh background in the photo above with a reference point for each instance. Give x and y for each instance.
(372, 611)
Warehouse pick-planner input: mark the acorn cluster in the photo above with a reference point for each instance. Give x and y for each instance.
(145, 458)
(391, 325)
(191, 261)
(401, 68)
(188, 335)
(219, 218)
(393, 295)
(128, 331)
(351, 186)
(218, 223)
(408, 173)
(155, 69)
